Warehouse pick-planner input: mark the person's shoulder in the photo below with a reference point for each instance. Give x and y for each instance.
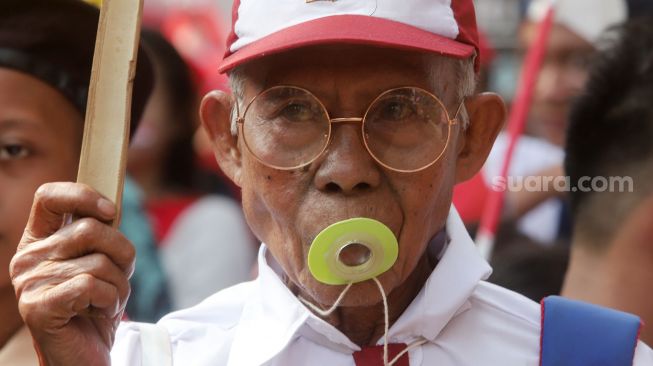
(494, 326)
(203, 332)
(500, 302)
(221, 310)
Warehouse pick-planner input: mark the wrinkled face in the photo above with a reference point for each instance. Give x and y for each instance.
(562, 78)
(40, 136)
(287, 209)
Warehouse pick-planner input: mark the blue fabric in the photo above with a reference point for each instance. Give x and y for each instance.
(580, 334)
(149, 299)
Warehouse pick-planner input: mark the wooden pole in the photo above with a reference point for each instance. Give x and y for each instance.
(108, 111)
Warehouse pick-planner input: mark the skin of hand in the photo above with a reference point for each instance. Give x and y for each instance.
(72, 280)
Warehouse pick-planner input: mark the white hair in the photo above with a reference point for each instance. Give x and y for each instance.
(440, 75)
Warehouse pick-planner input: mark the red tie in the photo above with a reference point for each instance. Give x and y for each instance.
(373, 356)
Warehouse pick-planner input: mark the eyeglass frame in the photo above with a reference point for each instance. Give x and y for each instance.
(450, 121)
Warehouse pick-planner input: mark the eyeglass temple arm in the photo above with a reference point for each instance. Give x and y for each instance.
(454, 120)
(239, 118)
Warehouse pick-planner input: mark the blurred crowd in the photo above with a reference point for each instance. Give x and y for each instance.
(590, 116)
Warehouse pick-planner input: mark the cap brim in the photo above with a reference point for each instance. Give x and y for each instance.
(348, 29)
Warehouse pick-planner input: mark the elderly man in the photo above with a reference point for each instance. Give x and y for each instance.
(349, 119)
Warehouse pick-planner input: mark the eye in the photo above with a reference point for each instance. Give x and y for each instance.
(298, 111)
(578, 60)
(13, 152)
(397, 109)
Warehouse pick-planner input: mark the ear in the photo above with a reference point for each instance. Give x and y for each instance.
(215, 113)
(487, 113)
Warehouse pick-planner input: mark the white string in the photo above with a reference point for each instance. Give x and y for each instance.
(333, 307)
(386, 321)
(417, 343)
(386, 330)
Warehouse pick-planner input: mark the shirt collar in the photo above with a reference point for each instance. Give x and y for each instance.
(447, 290)
(273, 317)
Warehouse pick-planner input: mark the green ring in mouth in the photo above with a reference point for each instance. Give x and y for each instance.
(325, 254)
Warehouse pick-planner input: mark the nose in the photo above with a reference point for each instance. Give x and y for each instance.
(560, 83)
(347, 167)
(551, 84)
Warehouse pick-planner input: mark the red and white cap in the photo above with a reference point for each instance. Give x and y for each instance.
(263, 27)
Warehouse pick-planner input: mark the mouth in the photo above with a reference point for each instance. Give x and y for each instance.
(354, 254)
(352, 251)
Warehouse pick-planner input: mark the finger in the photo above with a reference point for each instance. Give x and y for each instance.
(49, 273)
(82, 237)
(53, 201)
(97, 294)
(86, 236)
(101, 267)
(53, 308)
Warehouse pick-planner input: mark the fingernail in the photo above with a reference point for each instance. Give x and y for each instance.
(106, 207)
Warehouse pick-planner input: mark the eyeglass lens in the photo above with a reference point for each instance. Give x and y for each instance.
(404, 129)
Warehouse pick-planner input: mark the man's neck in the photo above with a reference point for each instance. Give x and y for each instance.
(365, 325)
(11, 320)
(617, 278)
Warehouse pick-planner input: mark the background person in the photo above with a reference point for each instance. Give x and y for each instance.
(45, 66)
(572, 43)
(192, 224)
(610, 134)
(542, 215)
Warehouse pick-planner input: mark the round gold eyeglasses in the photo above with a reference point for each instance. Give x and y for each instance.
(405, 129)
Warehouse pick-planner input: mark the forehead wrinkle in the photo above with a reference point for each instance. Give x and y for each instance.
(348, 94)
(342, 57)
(347, 79)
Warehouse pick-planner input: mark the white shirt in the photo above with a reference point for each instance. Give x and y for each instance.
(215, 228)
(466, 321)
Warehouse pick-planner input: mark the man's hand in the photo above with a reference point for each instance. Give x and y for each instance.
(72, 281)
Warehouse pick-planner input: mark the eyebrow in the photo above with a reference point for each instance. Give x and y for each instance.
(17, 124)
